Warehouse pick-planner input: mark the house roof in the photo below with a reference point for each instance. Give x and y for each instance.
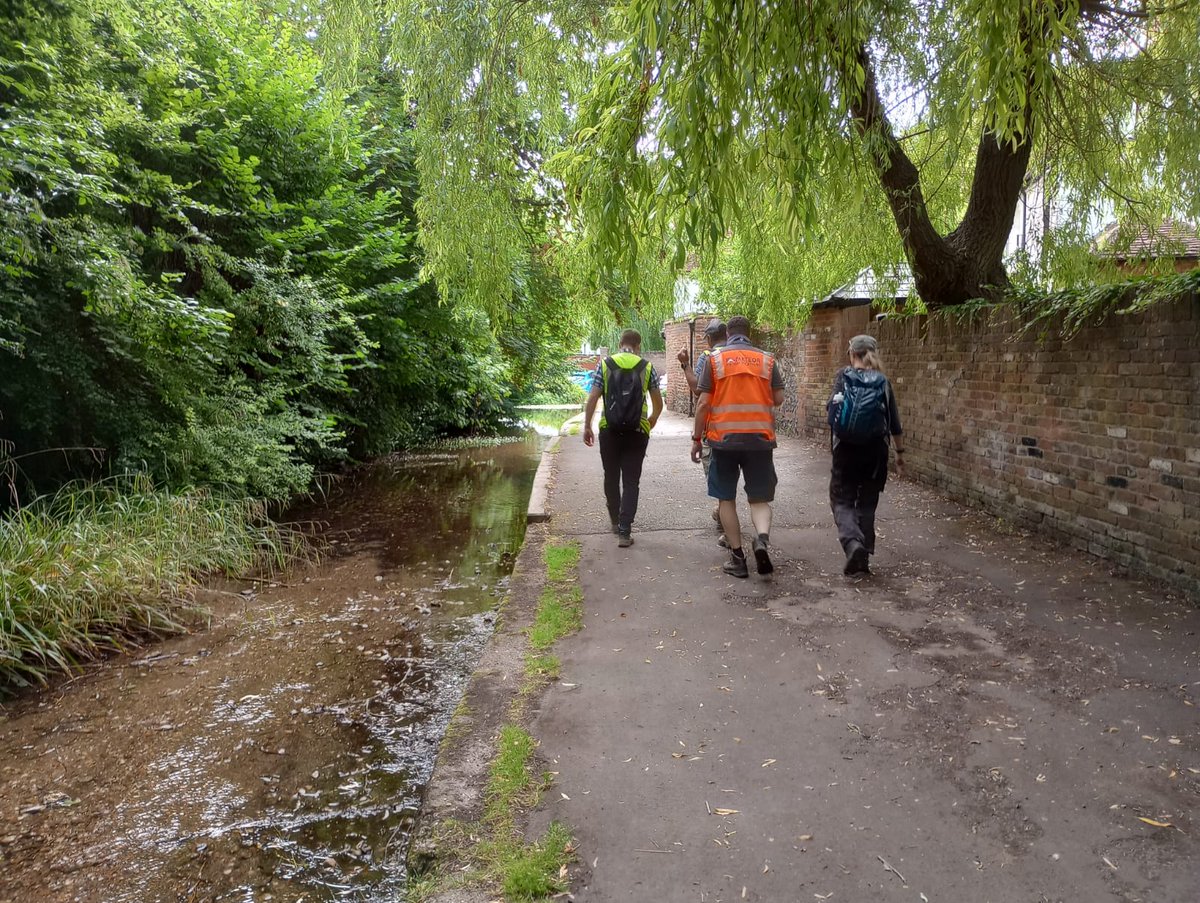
(891, 282)
(1171, 239)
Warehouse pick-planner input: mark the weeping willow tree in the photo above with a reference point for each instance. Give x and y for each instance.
(494, 90)
(799, 141)
(822, 130)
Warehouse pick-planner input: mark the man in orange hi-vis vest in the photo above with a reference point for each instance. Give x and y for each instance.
(739, 391)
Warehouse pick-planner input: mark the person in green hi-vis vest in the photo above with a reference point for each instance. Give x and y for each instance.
(625, 381)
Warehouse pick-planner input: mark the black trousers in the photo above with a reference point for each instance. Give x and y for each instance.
(859, 474)
(622, 455)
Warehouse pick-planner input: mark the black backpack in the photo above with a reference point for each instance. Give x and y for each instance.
(624, 396)
(861, 415)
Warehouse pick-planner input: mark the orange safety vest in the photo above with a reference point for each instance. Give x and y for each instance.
(742, 398)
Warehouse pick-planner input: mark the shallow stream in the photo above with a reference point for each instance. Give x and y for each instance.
(279, 754)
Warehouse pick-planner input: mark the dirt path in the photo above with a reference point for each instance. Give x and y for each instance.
(280, 753)
(988, 718)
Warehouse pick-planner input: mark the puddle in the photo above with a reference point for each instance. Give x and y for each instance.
(280, 754)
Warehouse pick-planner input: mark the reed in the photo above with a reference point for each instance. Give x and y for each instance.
(96, 568)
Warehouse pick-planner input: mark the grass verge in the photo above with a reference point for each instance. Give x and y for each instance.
(92, 569)
(493, 851)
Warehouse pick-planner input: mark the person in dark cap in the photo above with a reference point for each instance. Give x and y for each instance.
(864, 423)
(716, 334)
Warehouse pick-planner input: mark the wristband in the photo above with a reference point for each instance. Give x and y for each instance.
(695, 438)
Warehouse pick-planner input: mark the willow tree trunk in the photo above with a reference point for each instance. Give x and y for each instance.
(969, 262)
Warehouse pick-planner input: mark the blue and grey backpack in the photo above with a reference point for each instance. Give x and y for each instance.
(862, 415)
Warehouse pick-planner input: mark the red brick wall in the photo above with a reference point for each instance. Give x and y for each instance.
(584, 361)
(676, 333)
(1094, 440)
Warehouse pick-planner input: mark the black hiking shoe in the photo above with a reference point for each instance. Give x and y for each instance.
(736, 565)
(624, 540)
(762, 558)
(857, 560)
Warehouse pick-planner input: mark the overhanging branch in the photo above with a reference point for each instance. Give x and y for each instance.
(897, 173)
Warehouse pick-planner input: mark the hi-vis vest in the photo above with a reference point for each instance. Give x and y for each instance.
(626, 360)
(742, 398)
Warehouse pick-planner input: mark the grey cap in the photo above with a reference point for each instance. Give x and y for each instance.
(861, 344)
(714, 327)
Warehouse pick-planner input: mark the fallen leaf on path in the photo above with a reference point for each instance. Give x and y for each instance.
(725, 811)
(1109, 863)
(769, 762)
(805, 837)
(1157, 824)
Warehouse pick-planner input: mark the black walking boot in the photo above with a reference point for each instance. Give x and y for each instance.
(762, 557)
(857, 559)
(736, 565)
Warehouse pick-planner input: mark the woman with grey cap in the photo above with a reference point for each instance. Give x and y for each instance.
(864, 421)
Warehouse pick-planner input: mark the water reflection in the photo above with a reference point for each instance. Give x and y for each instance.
(305, 767)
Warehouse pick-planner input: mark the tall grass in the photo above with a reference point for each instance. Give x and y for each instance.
(94, 568)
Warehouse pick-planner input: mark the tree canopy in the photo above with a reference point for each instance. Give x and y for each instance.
(794, 143)
(207, 261)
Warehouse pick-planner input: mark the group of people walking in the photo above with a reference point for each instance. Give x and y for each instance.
(738, 386)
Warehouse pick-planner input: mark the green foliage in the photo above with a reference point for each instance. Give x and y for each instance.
(91, 569)
(719, 118)
(208, 267)
(494, 86)
(748, 132)
(153, 312)
(533, 874)
(562, 559)
(560, 608)
(510, 783)
(559, 613)
(1070, 310)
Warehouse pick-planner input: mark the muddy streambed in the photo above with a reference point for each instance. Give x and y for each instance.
(278, 752)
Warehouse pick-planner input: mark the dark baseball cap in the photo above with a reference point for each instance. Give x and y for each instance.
(714, 327)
